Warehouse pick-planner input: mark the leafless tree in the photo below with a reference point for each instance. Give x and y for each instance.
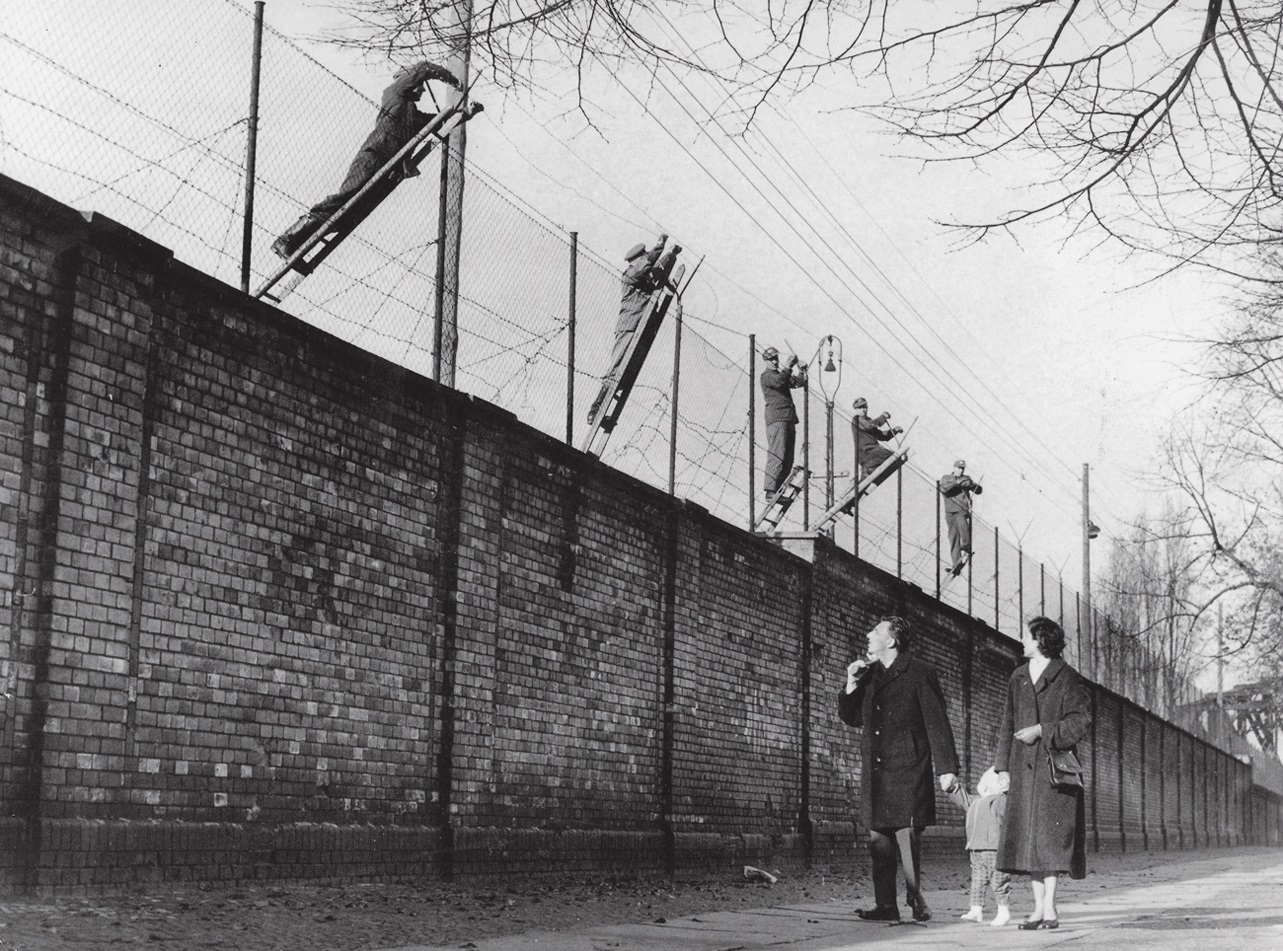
(1157, 122)
(1224, 471)
(1155, 641)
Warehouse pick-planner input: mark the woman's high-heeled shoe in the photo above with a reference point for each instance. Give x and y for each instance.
(1041, 924)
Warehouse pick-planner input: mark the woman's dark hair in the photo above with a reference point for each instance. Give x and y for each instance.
(900, 630)
(1049, 636)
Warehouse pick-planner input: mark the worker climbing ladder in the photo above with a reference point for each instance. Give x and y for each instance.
(781, 501)
(862, 487)
(617, 388)
(404, 164)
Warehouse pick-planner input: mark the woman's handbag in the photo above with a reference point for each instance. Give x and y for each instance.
(1066, 771)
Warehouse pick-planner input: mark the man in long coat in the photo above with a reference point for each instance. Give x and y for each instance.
(896, 699)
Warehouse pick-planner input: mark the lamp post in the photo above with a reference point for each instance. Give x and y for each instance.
(830, 380)
(1090, 531)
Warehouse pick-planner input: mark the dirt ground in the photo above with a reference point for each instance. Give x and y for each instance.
(351, 917)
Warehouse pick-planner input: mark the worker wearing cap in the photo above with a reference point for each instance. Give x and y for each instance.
(640, 280)
(869, 434)
(398, 121)
(957, 488)
(781, 417)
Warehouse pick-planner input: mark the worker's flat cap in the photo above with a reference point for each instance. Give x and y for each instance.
(636, 251)
(860, 403)
(960, 463)
(770, 353)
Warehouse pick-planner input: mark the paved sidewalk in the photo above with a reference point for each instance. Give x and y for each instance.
(1232, 902)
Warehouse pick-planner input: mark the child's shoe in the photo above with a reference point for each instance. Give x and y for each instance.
(975, 914)
(1002, 917)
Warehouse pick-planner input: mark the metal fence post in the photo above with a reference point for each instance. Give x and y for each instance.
(1020, 587)
(570, 346)
(752, 432)
(806, 456)
(997, 624)
(899, 523)
(939, 503)
(251, 146)
(677, 382)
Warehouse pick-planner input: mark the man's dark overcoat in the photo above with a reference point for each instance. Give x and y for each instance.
(905, 731)
(1045, 829)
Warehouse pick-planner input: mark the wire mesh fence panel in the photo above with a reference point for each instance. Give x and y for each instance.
(712, 428)
(149, 137)
(513, 319)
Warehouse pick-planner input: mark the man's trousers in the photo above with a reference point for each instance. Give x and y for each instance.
(889, 848)
(779, 454)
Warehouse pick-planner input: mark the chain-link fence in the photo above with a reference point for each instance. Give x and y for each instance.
(140, 111)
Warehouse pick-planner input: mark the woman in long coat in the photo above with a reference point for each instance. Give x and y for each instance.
(1048, 707)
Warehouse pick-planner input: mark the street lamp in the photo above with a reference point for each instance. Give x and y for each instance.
(830, 379)
(1090, 531)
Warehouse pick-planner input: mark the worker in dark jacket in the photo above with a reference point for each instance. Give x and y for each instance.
(869, 434)
(641, 278)
(781, 416)
(896, 700)
(398, 120)
(957, 488)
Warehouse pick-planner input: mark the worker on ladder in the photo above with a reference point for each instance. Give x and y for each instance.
(398, 121)
(781, 417)
(957, 488)
(640, 280)
(869, 434)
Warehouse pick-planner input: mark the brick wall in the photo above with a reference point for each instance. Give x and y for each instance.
(274, 608)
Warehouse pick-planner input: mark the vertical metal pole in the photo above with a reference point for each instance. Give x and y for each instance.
(1020, 587)
(806, 456)
(1078, 629)
(828, 462)
(1090, 630)
(570, 343)
(438, 292)
(939, 505)
(752, 431)
(997, 625)
(1042, 589)
(1220, 669)
(855, 508)
(971, 567)
(251, 146)
(899, 523)
(447, 330)
(677, 382)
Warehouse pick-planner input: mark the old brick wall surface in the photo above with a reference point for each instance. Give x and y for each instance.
(275, 608)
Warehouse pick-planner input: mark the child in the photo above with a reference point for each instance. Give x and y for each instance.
(985, 813)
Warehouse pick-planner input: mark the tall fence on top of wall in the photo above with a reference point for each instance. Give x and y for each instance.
(162, 150)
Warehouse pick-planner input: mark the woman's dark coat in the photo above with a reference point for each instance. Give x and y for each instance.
(905, 729)
(1045, 830)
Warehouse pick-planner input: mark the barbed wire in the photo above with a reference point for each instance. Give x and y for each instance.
(171, 169)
